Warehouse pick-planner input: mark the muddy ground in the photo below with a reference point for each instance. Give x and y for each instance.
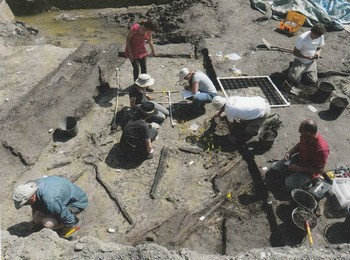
(42, 84)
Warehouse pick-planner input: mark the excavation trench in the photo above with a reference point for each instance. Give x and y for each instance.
(217, 205)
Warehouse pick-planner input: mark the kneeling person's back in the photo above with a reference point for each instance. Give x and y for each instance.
(133, 140)
(137, 136)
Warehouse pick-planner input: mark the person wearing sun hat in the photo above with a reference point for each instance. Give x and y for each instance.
(138, 95)
(245, 114)
(55, 201)
(201, 87)
(137, 136)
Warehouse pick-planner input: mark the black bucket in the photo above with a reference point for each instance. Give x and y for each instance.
(323, 92)
(69, 126)
(304, 199)
(300, 215)
(267, 138)
(338, 105)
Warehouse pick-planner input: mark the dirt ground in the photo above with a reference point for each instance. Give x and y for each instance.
(212, 198)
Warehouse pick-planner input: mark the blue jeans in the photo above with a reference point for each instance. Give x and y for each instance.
(160, 115)
(200, 99)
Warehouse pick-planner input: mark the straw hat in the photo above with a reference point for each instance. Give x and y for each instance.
(144, 81)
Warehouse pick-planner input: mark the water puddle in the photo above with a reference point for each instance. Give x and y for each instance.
(81, 26)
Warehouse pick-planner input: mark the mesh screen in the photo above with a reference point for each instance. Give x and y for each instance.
(253, 86)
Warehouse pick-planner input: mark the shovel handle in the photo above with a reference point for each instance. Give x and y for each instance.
(309, 232)
(70, 232)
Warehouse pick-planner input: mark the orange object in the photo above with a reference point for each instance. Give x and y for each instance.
(292, 23)
(70, 232)
(309, 232)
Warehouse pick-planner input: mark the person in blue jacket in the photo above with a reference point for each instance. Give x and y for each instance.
(55, 201)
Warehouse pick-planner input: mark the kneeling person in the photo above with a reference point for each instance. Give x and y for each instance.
(137, 136)
(138, 96)
(306, 160)
(55, 201)
(199, 84)
(247, 113)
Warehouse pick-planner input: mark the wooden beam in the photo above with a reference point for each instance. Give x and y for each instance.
(160, 171)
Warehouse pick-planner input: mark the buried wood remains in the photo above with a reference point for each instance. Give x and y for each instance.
(160, 170)
(113, 195)
(225, 212)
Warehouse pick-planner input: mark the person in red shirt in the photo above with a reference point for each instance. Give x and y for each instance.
(135, 50)
(306, 160)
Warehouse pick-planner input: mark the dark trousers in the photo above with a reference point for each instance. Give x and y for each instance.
(136, 65)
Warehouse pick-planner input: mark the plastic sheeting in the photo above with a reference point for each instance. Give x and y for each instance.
(332, 13)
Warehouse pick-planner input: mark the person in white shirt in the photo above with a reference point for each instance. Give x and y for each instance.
(245, 114)
(307, 50)
(202, 88)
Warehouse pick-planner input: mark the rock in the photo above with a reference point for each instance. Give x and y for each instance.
(6, 15)
(79, 247)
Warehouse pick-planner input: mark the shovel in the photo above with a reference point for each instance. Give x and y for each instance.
(277, 48)
(118, 77)
(71, 231)
(114, 125)
(308, 230)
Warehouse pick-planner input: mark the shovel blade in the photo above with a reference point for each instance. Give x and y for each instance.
(268, 45)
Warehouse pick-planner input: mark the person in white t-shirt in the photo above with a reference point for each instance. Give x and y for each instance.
(202, 88)
(246, 114)
(307, 50)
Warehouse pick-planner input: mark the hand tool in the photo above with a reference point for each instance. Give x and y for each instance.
(114, 125)
(308, 230)
(71, 231)
(118, 77)
(269, 46)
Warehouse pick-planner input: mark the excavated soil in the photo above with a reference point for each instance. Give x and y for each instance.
(211, 197)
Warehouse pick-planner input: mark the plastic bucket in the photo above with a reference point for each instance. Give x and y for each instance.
(267, 138)
(69, 126)
(323, 92)
(304, 199)
(300, 215)
(338, 105)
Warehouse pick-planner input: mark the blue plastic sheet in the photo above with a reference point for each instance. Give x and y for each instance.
(332, 13)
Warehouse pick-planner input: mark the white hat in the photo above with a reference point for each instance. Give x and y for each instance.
(23, 193)
(144, 80)
(183, 73)
(218, 102)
